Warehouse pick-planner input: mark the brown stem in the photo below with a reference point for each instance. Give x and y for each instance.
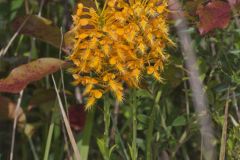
(199, 98)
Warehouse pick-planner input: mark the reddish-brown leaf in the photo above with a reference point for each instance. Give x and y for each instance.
(215, 14)
(40, 28)
(77, 117)
(21, 76)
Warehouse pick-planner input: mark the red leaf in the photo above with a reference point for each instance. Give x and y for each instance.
(40, 28)
(77, 117)
(21, 76)
(214, 15)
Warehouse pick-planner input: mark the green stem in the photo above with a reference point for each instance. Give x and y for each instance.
(85, 139)
(134, 123)
(97, 5)
(104, 7)
(151, 126)
(107, 126)
(49, 140)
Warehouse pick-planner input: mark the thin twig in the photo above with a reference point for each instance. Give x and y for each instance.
(61, 72)
(236, 106)
(65, 97)
(26, 6)
(224, 130)
(66, 140)
(4, 51)
(16, 114)
(66, 122)
(41, 7)
(33, 148)
(186, 96)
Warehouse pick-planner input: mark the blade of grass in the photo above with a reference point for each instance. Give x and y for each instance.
(84, 142)
(224, 130)
(151, 126)
(49, 139)
(4, 51)
(235, 104)
(15, 123)
(118, 136)
(35, 156)
(66, 122)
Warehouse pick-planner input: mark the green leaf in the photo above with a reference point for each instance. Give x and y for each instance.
(179, 121)
(15, 4)
(112, 149)
(101, 146)
(131, 151)
(85, 139)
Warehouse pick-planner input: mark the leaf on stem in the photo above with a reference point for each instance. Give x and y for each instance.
(21, 76)
(215, 14)
(40, 28)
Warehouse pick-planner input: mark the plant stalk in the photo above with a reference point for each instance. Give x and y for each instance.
(151, 126)
(134, 123)
(107, 126)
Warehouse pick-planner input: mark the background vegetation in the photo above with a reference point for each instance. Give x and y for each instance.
(166, 122)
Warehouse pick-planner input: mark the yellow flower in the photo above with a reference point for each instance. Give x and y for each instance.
(117, 89)
(118, 45)
(90, 102)
(96, 93)
(150, 70)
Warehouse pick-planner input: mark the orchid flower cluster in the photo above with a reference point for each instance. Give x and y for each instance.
(118, 45)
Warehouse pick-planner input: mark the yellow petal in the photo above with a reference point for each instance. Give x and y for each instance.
(83, 35)
(97, 94)
(112, 61)
(117, 89)
(83, 22)
(160, 9)
(108, 77)
(141, 47)
(120, 31)
(119, 96)
(150, 70)
(76, 76)
(143, 24)
(136, 73)
(111, 3)
(88, 89)
(80, 9)
(90, 102)
(106, 49)
(80, 5)
(120, 67)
